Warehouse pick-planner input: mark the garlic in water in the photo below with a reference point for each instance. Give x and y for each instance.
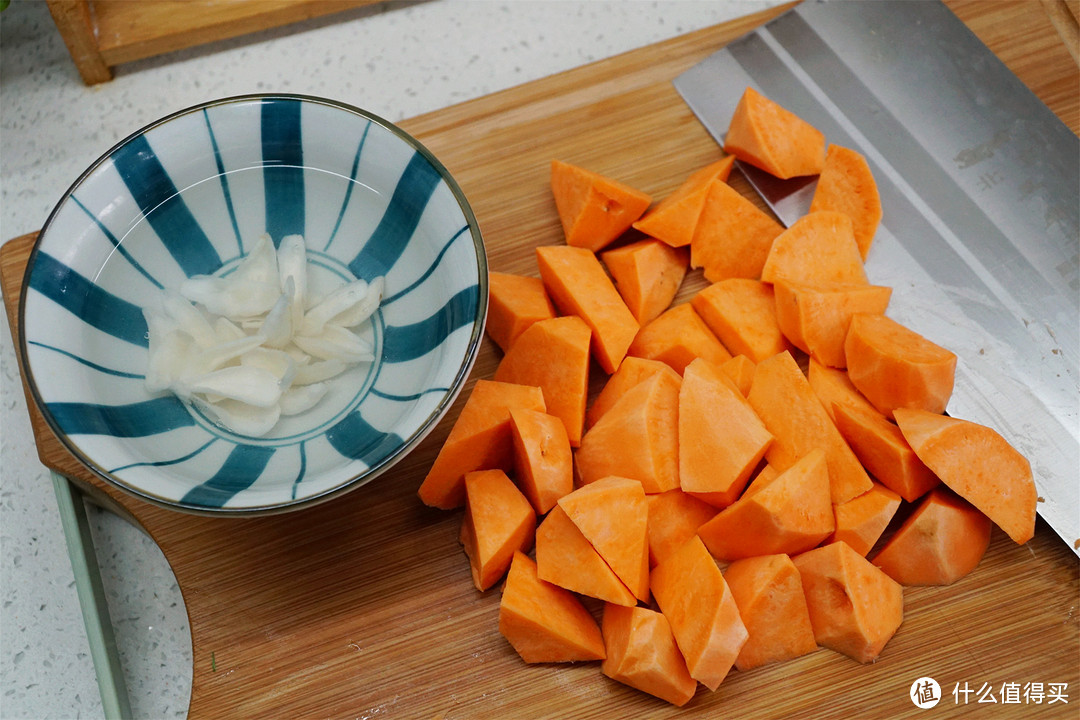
(246, 349)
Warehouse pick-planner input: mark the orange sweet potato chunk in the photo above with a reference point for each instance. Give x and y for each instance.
(939, 543)
(631, 372)
(641, 653)
(815, 317)
(781, 396)
(733, 235)
(543, 460)
(514, 303)
(678, 337)
(774, 139)
(479, 440)
(788, 514)
(741, 371)
(721, 438)
(832, 385)
(498, 522)
(543, 622)
(847, 185)
(979, 465)
(613, 515)
(594, 209)
(554, 356)
(674, 518)
(578, 285)
(637, 438)
(693, 595)
(855, 608)
(896, 367)
(647, 274)
(884, 452)
(818, 247)
(565, 557)
(741, 312)
(674, 218)
(861, 520)
(768, 592)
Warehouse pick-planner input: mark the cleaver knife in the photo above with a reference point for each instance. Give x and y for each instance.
(980, 189)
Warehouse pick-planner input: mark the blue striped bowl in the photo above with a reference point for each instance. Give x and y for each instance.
(189, 195)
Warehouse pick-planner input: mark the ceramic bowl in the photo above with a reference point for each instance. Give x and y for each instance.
(189, 195)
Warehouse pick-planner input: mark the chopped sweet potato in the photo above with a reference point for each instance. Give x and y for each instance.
(498, 522)
(741, 312)
(978, 464)
(677, 337)
(637, 438)
(818, 247)
(514, 303)
(721, 438)
(815, 317)
(788, 514)
(594, 209)
(565, 557)
(674, 518)
(782, 398)
(674, 218)
(641, 653)
(647, 274)
(578, 285)
(479, 440)
(939, 543)
(832, 385)
(733, 235)
(855, 608)
(553, 355)
(847, 185)
(774, 139)
(896, 367)
(769, 594)
(883, 451)
(693, 595)
(543, 461)
(543, 622)
(861, 520)
(613, 515)
(631, 372)
(741, 371)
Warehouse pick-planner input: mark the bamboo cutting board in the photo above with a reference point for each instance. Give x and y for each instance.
(364, 606)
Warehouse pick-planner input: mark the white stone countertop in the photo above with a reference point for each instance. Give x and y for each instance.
(396, 59)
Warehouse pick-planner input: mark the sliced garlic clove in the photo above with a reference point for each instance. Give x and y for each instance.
(318, 371)
(277, 362)
(260, 265)
(225, 330)
(364, 309)
(278, 325)
(188, 318)
(292, 266)
(336, 343)
(240, 418)
(302, 398)
(250, 385)
(212, 358)
(339, 300)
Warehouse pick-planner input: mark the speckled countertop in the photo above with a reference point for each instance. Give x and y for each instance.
(395, 59)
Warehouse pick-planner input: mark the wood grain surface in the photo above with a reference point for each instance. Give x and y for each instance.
(364, 606)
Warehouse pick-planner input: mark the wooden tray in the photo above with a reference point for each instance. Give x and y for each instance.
(364, 606)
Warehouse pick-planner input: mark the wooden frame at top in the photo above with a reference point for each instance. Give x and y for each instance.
(101, 34)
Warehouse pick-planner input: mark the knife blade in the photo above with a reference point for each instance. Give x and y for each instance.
(979, 180)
